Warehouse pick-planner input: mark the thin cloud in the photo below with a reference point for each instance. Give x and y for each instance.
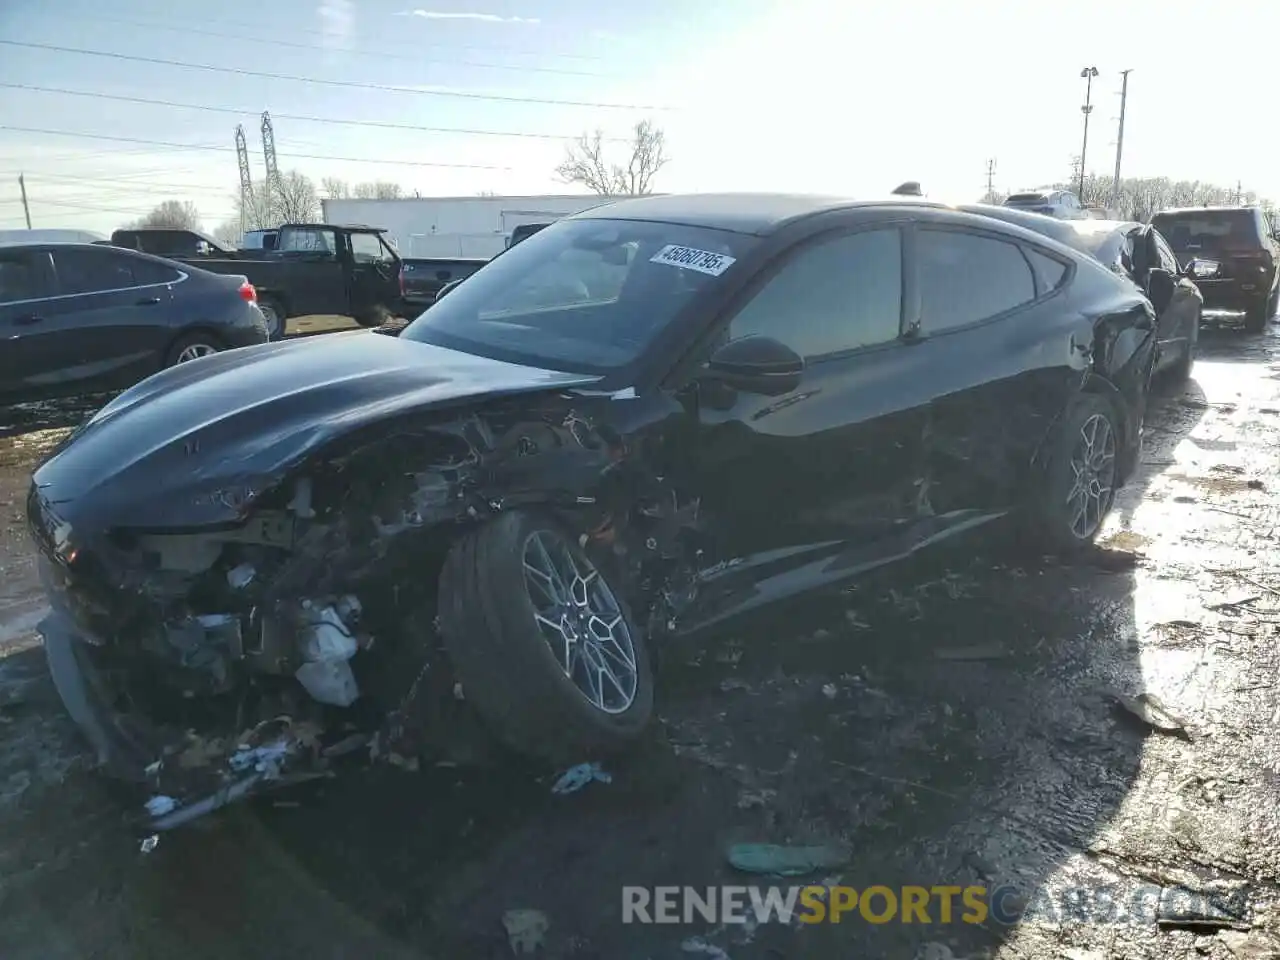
(337, 22)
(483, 17)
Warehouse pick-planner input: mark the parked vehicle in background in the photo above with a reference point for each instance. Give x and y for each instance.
(167, 242)
(1062, 204)
(260, 240)
(320, 268)
(11, 237)
(1241, 242)
(578, 454)
(80, 318)
(1140, 254)
(523, 232)
(421, 280)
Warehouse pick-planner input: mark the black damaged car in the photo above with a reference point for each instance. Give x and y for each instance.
(643, 420)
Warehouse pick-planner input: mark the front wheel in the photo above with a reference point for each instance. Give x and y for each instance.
(1078, 486)
(1256, 317)
(1180, 372)
(544, 646)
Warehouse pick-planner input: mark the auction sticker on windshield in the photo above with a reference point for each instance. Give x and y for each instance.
(704, 261)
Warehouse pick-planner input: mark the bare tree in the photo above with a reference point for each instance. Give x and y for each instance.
(586, 163)
(335, 188)
(378, 190)
(175, 214)
(296, 200)
(228, 232)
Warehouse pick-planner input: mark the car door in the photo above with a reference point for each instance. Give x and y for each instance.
(374, 274)
(1182, 315)
(993, 349)
(791, 479)
(311, 267)
(106, 327)
(26, 278)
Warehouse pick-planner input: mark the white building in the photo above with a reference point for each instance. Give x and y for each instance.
(455, 226)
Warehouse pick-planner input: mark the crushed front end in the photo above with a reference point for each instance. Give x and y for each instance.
(293, 625)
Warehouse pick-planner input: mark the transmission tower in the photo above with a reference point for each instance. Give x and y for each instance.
(991, 179)
(269, 154)
(246, 181)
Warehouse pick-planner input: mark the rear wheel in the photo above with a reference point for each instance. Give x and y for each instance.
(273, 312)
(1079, 483)
(545, 648)
(192, 347)
(374, 316)
(1256, 317)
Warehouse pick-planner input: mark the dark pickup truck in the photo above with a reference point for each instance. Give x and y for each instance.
(421, 278)
(315, 268)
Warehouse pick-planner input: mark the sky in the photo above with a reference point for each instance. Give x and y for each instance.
(826, 97)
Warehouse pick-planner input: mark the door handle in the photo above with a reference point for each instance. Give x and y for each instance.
(147, 302)
(28, 319)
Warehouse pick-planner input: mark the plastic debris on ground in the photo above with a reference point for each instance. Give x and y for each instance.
(782, 861)
(150, 843)
(525, 930)
(700, 946)
(158, 806)
(1151, 710)
(265, 759)
(575, 778)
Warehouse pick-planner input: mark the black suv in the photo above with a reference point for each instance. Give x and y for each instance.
(1242, 244)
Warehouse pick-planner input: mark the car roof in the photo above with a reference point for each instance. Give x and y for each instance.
(758, 214)
(1198, 210)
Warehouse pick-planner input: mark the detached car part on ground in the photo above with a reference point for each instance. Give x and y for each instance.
(644, 420)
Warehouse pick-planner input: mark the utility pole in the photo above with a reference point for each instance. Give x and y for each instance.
(991, 176)
(26, 210)
(1088, 73)
(246, 179)
(1124, 96)
(1239, 193)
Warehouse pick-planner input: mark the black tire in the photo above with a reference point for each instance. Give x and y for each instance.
(1256, 317)
(374, 316)
(191, 346)
(1052, 514)
(274, 312)
(1180, 372)
(507, 669)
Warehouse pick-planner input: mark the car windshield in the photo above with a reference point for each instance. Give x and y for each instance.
(581, 295)
(1192, 230)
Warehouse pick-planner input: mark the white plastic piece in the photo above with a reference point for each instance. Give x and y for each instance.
(328, 639)
(160, 804)
(241, 576)
(301, 502)
(329, 681)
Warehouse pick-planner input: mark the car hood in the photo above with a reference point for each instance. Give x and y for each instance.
(165, 451)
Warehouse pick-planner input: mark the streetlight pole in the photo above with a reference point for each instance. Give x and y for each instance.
(1088, 73)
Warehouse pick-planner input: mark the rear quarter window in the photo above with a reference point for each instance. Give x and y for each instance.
(1050, 273)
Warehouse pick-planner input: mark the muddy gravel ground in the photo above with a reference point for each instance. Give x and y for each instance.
(970, 718)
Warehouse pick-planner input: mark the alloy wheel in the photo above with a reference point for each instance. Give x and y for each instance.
(579, 618)
(1093, 464)
(194, 351)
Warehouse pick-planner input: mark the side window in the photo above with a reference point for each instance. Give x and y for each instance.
(19, 277)
(148, 272)
(92, 271)
(838, 294)
(1167, 259)
(307, 240)
(965, 278)
(367, 248)
(1049, 272)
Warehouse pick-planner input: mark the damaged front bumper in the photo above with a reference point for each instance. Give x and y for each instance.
(178, 774)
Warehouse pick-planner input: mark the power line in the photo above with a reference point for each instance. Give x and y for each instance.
(492, 48)
(356, 84)
(221, 149)
(414, 58)
(343, 121)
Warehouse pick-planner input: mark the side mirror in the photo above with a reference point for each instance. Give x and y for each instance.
(1200, 269)
(756, 365)
(1160, 287)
